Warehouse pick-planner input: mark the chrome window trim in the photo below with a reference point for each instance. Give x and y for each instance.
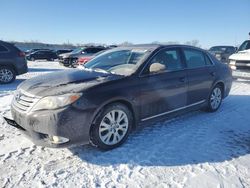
(204, 53)
(171, 111)
(150, 59)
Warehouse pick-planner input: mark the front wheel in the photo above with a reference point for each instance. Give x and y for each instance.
(112, 126)
(215, 99)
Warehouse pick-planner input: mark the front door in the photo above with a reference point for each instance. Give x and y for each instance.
(163, 84)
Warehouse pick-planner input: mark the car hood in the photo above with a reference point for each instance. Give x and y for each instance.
(65, 55)
(62, 82)
(241, 55)
(74, 55)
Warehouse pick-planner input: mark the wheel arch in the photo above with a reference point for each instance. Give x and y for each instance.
(123, 101)
(221, 84)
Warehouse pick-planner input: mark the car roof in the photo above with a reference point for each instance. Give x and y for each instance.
(42, 51)
(156, 46)
(224, 46)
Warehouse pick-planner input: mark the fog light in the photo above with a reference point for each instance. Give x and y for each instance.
(58, 139)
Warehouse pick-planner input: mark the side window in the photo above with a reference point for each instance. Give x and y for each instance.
(165, 60)
(194, 58)
(3, 49)
(208, 61)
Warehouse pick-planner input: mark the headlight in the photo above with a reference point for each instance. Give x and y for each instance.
(55, 102)
(232, 62)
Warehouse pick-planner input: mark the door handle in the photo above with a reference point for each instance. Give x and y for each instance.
(182, 79)
(212, 73)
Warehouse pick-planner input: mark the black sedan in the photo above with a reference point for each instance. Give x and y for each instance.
(71, 59)
(117, 91)
(48, 55)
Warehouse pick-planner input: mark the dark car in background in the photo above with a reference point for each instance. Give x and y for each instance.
(71, 59)
(222, 53)
(12, 62)
(82, 59)
(48, 55)
(34, 50)
(117, 91)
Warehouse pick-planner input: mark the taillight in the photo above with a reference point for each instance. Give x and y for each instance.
(21, 54)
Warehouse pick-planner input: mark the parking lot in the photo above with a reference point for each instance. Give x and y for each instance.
(198, 149)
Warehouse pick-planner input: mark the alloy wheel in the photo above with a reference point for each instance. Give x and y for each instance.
(216, 98)
(113, 127)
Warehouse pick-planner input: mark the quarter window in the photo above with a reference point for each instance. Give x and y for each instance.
(195, 58)
(3, 49)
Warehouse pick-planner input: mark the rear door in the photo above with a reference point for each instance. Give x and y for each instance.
(4, 54)
(163, 84)
(201, 75)
(39, 55)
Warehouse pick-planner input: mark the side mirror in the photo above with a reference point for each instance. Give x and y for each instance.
(157, 67)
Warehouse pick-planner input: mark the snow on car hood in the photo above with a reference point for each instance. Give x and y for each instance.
(241, 55)
(64, 55)
(61, 82)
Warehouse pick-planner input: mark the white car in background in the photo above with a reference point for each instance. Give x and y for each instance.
(241, 59)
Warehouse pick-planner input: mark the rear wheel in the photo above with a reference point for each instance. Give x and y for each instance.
(112, 126)
(7, 75)
(215, 99)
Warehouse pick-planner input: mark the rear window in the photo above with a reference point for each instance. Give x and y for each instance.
(3, 49)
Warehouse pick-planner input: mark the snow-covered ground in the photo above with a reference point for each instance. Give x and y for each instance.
(198, 149)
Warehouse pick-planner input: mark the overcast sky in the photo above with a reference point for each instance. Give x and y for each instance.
(114, 21)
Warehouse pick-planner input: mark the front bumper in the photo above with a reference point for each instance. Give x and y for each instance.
(69, 61)
(238, 64)
(41, 126)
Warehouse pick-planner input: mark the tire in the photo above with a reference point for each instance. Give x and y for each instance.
(7, 75)
(74, 66)
(215, 99)
(108, 135)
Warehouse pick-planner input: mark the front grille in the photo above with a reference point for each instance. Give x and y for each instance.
(23, 101)
(243, 62)
(70, 61)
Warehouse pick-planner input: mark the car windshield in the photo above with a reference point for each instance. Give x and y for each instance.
(245, 46)
(77, 50)
(122, 62)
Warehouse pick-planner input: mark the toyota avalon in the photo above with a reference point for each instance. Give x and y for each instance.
(117, 91)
